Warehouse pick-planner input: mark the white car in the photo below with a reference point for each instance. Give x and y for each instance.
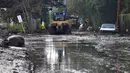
(108, 28)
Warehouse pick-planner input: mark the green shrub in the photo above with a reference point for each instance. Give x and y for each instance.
(16, 27)
(125, 18)
(125, 22)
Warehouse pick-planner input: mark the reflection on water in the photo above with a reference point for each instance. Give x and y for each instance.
(66, 57)
(55, 54)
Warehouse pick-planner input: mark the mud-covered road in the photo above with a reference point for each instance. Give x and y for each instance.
(68, 54)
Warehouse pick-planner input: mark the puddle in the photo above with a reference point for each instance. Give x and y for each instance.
(76, 56)
(68, 54)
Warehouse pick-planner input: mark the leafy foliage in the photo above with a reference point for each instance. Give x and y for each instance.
(126, 6)
(98, 11)
(16, 27)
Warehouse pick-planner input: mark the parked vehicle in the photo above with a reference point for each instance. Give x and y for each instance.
(108, 28)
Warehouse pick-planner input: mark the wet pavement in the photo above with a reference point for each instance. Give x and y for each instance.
(68, 54)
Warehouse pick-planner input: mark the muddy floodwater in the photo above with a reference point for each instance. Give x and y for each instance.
(69, 54)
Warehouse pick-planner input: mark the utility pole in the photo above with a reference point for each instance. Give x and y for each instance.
(118, 13)
(118, 29)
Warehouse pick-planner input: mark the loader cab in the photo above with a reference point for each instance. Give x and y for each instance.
(59, 16)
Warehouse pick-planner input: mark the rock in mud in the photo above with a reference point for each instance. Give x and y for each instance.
(14, 40)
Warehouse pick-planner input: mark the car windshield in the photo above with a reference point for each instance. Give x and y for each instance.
(108, 26)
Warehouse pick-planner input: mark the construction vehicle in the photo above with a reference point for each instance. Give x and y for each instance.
(61, 24)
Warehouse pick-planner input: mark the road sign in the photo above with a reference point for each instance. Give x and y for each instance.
(19, 18)
(20, 21)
